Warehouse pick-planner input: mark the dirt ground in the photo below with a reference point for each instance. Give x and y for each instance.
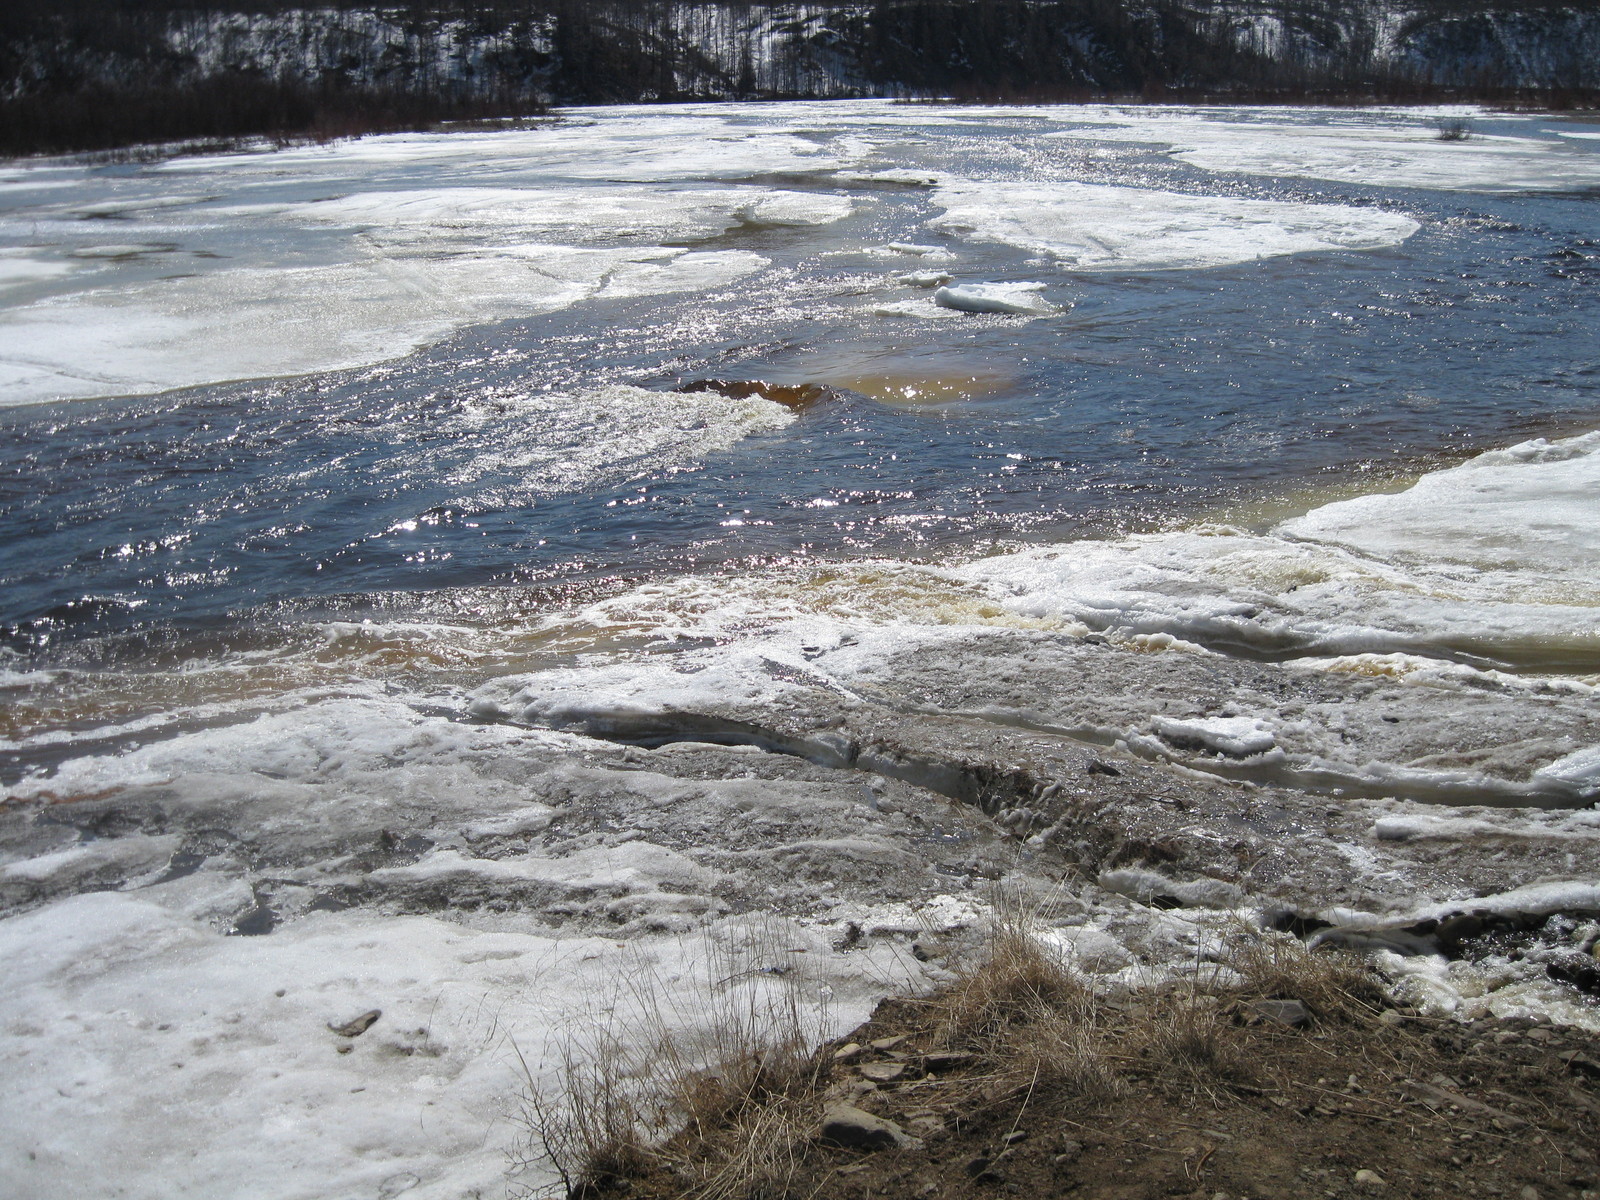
(1166, 1099)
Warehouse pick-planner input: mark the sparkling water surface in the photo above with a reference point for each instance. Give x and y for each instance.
(1154, 397)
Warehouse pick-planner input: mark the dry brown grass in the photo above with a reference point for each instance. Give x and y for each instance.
(1023, 1012)
(1334, 984)
(657, 1093)
(731, 1110)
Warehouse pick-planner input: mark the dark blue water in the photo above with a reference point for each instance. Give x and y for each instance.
(1159, 396)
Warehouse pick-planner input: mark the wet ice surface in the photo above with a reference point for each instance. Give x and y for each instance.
(1188, 523)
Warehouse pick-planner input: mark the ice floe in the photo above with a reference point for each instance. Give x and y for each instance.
(328, 258)
(1095, 227)
(1393, 148)
(254, 322)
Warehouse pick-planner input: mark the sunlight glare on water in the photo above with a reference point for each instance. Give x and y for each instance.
(413, 370)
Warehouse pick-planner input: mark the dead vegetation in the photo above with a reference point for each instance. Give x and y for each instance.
(1018, 1075)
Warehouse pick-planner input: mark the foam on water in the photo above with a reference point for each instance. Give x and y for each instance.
(553, 442)
(1091, 227)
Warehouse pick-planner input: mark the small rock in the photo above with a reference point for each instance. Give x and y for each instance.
(1015, 1136)
(847, 1052)
(1369, 1179)
(1389, 1017)
(888, 1043)
(882, 1072)
(1068, 1151)
(1528, 1193)
(1282, 1012)
(1538, 1034)
(359, 1025)
(848, 1126)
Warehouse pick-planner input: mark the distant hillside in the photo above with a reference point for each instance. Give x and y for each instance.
(95, 73)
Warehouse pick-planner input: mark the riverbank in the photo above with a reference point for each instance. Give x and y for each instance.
(1291, 1076)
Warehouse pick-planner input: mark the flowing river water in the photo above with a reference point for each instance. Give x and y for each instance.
(362, 475)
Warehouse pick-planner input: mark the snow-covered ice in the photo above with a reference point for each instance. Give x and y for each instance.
(1095, 227)
(256, 265)
(1385, 148)
(1496, 556)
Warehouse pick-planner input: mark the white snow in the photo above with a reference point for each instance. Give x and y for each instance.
(1095, 227)
(133, 1036)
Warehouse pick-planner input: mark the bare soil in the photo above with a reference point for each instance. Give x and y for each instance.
(1234, 1104)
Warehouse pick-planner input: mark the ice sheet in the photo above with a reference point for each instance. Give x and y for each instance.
(1526, 515)
(635, 215)
(1497, 557)
(1386, 148)
(255, 322)
(322, 258)
(1092, 227)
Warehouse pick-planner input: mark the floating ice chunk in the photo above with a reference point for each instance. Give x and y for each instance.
(924, 279)
(622, 145)
(1499, 557)
(902, 178)
(1237, 737)
(932, 253)
(1092, 227)
(1021, 299)
(927, 310)
(796, 208)
(480, 215)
